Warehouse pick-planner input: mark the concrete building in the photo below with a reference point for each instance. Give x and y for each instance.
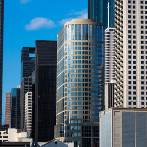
(131, 54)
(13, 135)
(80, 66)
(8, 109)
(123, 127)
(28, 113)
(109, 68)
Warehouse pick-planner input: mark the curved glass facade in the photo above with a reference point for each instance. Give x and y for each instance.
(79, 76)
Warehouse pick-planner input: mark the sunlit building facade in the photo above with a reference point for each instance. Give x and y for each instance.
(80, 63)
(131, 54)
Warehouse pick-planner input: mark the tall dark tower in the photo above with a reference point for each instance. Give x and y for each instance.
(44, 92)
(27, 67)
(97, 10)
(15, 108)
(1, 53)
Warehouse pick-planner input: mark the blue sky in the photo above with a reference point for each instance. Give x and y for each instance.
(30, 20)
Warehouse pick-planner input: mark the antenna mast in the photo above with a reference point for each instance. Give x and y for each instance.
(108, 14)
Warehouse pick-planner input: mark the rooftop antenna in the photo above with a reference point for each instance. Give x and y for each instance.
(108, 14)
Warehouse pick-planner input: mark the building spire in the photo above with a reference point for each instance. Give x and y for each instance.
(108, 14)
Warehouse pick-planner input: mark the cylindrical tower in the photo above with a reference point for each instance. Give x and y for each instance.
(80, 63)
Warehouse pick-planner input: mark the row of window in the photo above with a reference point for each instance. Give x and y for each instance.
(134, 103)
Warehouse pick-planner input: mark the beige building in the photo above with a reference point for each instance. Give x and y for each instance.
(131, 53)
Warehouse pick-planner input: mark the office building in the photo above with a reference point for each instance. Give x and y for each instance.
(8, 109)
(98, 11)
(27, 67)
(15, 108)
(28, 113)
(80, 63)
(1, 53)
(130, 54)
(109, 68)
(44, 91)
(123, 127)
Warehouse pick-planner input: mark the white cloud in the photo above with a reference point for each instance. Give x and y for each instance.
(24, 1)
(40, 23)
(45, 23)
(83, 14)
(75, 15)
(79, 14)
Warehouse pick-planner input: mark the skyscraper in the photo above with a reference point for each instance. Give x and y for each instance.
(8, 109)
(1, 53)
(131, 54)
(15, 108)
(44, 91)
(97, 10)
(109, 68)
(27, 67)
(80, 60)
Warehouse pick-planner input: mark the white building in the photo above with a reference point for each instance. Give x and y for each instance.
(109, 67)
(131, 53)
(13, 135)
(28, 112)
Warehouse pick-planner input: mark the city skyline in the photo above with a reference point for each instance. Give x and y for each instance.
(19, 34)
(82, 73)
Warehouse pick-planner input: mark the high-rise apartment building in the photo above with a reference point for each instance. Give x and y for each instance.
(109, 67)
(80, 62)
(28, 113)
(131, 54)
(8, 109)
(44, 91)
(27, 67)
(1, 53)
(15, 108)
(98, 11)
